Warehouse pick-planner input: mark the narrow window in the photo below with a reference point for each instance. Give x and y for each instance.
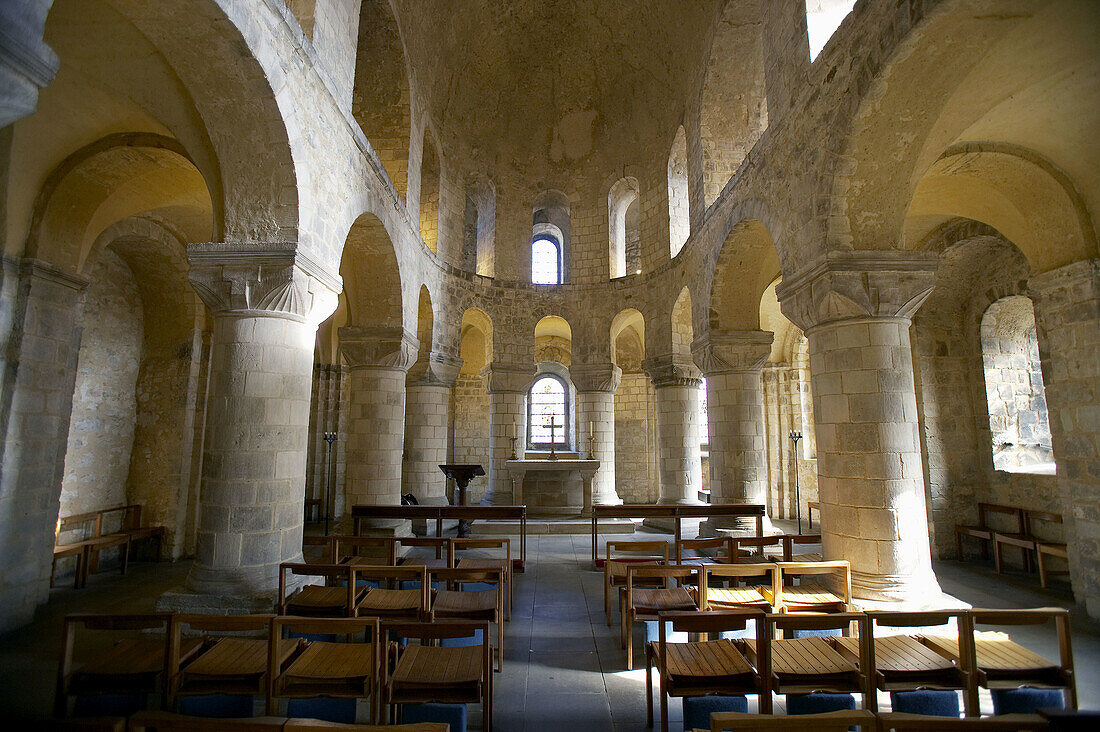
(545, 262)
(547, 404)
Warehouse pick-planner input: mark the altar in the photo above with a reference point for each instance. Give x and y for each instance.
(561, 487)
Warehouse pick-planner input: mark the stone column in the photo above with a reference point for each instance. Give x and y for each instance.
(427, 400)
(507, 387)
(676, 381)
(40, 330)
(596, 386)
(1067, 319)
(731, 362)
(855, 309)
(266, 301)
(27, 64)
(377, 358)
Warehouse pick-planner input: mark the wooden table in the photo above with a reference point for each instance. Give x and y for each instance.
(442, 513)
(677, 512)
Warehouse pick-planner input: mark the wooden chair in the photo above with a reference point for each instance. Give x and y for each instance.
(824, 722)
(312, 725)
(1000, 663)
(78, 550)
(433, 674)
(92, 541)
(812, 506)
(788, 597)
(898, 722)
(318, 549)
(812, 664)
(505, 562)
(903, 662)
(136, 664)
(713, 665)
(170, 722)
(641, 603)
(349, 669)
(789, 542)
(363, 550)
(621, 553)
(227, 664)
(453, 603)
(721, 545)
(983, 530)
(753, 549)
(1025, 541)
(441, 546)
(389, 601)
(752, 595)
(1046, 549)
(336, 598)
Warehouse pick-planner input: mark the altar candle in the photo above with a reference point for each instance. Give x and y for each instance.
(590, 427)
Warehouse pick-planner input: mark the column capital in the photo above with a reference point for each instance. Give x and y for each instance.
(262, 278)
(502, 377)
(378, 347)
(863, 284)
(672, 369)
(437, 369)
(729, 351)
(604, 377)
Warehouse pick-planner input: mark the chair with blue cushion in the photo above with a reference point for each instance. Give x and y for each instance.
(386, 600)
(463, 596)
(818, 702)
(823, 722)
(697, 709)
(676, 584)
(335, 597)
(903, 722)
(929, 702)
(453, 715)
(363, 550)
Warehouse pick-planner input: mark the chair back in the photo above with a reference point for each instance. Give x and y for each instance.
(985, 511)
(719, 543)
(789, 541)
(321, 546)
(335, 575)
(754, 546)
(458, 545)
(841, 569)
(441, 545)
(740, 572)
(384, 547)
(632, 549)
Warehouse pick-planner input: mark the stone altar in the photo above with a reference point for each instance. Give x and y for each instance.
(574, 476)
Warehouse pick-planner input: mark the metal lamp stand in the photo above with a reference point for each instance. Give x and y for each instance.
(330, 438)
(795, 437)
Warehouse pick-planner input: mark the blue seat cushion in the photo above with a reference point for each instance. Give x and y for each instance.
(929, 702)
(473, 640)
(1026, 700)
(220, 706)
(651, 633)
(452, 714)
(325, 708)
(697, 709)
(818, 703)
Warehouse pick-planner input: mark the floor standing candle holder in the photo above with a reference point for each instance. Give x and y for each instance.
(795, 437)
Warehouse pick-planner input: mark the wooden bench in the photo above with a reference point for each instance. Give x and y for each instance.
(983, 530)
(132, 526)
(92, 541)
(676, 513)
(1025, 540)
(440, 514)
(812, 506)
(1046, 549)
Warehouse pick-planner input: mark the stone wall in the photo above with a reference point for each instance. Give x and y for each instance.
(101, 431)
(635, 440)
(471, 430)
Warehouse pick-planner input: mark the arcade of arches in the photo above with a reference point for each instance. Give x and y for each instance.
(232, 226)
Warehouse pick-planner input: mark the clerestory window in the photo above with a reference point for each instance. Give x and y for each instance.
(545, 262)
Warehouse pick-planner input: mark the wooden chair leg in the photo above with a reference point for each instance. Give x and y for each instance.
(648, 688)
(664, 706)
(1043, 579)
(629, 643)
(958, 545)
(997, 556)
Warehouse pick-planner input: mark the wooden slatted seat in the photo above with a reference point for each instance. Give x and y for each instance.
(718, 598)
(409, 604)
(335, 599)
(1047, 549)
(824, 722)
(227, 664)
(458, 604)
(450, 675)
(341, 669)
(703, 667)
(620, 554)
(169, 722)
(983, 530)
(505, 562)
(787, 597)
(644, 603)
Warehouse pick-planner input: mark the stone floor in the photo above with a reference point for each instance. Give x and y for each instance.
(564, 666)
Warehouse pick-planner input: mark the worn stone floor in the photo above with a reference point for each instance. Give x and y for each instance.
(564, 669)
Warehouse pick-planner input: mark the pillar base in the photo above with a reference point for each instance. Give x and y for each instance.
(893, 589)
(385, 527)
(199, 603)
(734, 527)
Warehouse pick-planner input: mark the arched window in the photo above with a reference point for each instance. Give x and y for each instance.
(548, 403)
(545, 261)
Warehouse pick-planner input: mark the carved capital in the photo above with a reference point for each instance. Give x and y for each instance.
(501, 377)
(435, 370)
(378, 348)
(728, 351)
(262, 279)
(863, 284)
(672, 369)
(596, 376)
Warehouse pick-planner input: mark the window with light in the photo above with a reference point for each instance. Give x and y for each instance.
(548, 403)
(545, 262)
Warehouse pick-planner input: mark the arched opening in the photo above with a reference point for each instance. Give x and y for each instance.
(550, 226)
(380, 99)
(823, 17)
(1018, 419)
(429, 192)
(553, 341)
(425, 322)
(372, 278)
(624, 226)
(548, 408)
(546, 260)
(636, 475)
(679, 218)
(734, 111)
(471, 430)
(479, 234)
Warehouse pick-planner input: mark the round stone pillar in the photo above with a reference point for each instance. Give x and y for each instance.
(676, 383)
(732, 362)
(596, 386)
(427, 400)
(507, 387)
(266, 303)
(855, 310)
(377, 358)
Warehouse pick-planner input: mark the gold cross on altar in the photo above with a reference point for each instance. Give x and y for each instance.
(553, 426)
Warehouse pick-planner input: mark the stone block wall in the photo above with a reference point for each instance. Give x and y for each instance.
(635, 440)
(471, 430)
